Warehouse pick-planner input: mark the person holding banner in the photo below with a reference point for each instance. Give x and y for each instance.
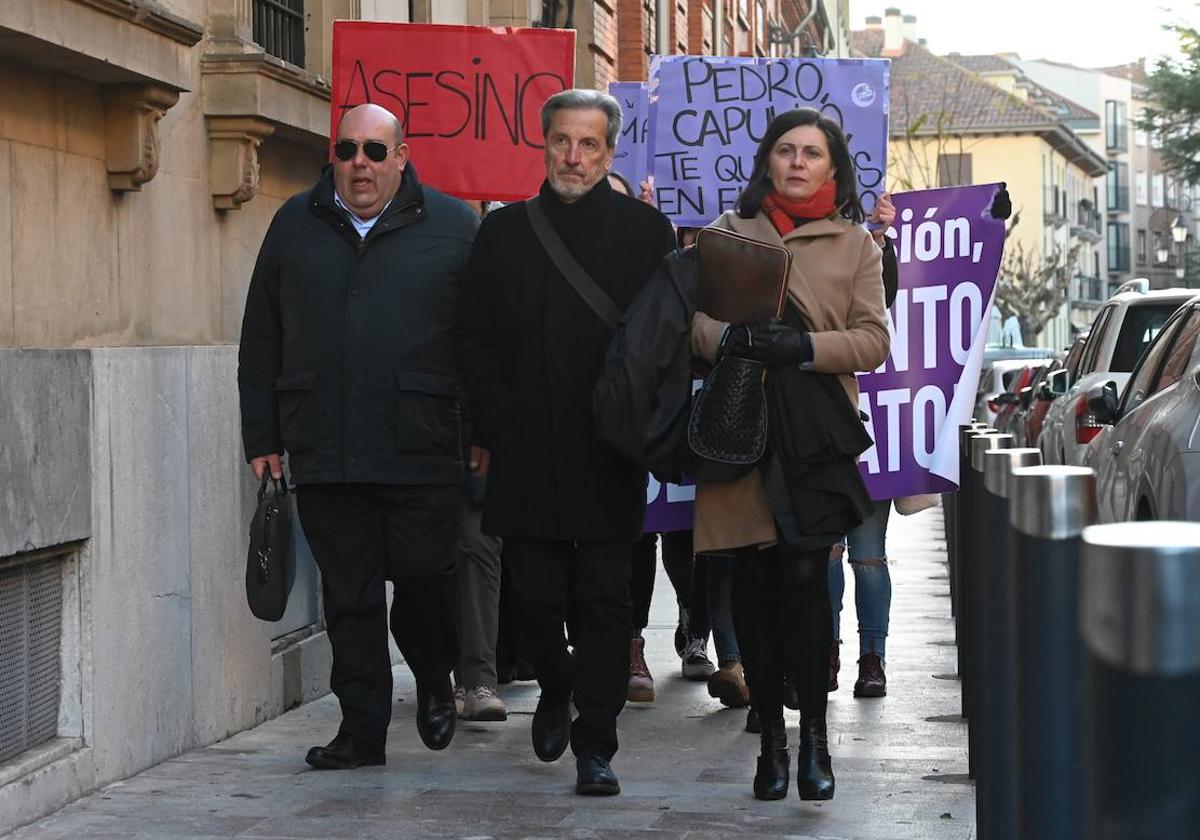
(347, 363)
(782, 518)
(547, 282)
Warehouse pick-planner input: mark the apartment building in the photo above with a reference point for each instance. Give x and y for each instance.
(976, 119)
(1163, 222)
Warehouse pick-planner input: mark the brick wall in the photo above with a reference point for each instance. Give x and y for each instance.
(632, 59)
(604, 43)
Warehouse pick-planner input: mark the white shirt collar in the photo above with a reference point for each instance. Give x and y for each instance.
(363, 226)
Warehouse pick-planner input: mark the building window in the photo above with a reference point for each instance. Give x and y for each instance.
(31, 587)
(1158, 183)
(1116, 126)
(1141, 247)
(954, 170)
(762, 26)
(1118, 187)
(1140, 189)
(1118, 247)
(278, 27)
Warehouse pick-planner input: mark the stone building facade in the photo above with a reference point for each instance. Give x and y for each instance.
(144, 147)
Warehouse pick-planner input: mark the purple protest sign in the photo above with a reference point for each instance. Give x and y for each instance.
(948, 247)
(630, 158)
(669, 507)
(707, 114)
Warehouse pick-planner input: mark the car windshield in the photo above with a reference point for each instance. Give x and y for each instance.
(1138, 329)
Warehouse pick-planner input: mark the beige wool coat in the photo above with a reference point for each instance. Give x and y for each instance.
(836, 283)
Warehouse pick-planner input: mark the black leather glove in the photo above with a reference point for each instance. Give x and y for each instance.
(772, 343)
(1002, 204)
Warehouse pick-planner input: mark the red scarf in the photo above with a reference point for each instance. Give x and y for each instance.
(783, 212)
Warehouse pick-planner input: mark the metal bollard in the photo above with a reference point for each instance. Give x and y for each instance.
(1140, 619)
(995, 798)
(972, 547)
(1049, 508)
(950, 510)
(961, 513)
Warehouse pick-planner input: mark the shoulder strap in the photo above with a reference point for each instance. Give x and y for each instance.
(580, 280)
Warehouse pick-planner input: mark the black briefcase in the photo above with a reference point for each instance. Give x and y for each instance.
(271, 560)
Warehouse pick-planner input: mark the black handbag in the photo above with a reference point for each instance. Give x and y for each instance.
(727, 430)
(271, 560)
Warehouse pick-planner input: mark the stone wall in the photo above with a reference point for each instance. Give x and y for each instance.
(137, 455)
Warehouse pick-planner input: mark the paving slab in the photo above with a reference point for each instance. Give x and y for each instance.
(685, 764)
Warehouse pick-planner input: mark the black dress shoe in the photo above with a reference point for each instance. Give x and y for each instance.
(551, 728)
(436, 716)
(344, 752)
(771, 778)
(594, 776)
(814, 768)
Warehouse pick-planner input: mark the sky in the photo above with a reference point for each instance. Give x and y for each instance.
(1087, 33)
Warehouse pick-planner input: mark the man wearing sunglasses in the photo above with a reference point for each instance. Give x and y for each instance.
(347, 365)
(568, 508)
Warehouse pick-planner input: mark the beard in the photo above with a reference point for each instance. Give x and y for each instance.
(572, 190)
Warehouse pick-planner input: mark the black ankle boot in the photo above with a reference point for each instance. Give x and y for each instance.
(814, 768)
(771, 780)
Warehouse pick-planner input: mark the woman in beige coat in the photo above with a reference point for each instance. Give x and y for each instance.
(803, 195)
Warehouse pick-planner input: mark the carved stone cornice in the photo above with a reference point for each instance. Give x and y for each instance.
(233, 158)
(240, 80)
(131, 115)
(153, 16)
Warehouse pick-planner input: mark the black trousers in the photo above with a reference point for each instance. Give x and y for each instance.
(688, 574)
(362, 535)
(784, 623)
(589, 582)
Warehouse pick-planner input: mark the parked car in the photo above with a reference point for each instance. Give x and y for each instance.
(1013, 401)
(995, 379)
(1124, 327)
(1030, 404)
(1053, 385)
(1147, 457)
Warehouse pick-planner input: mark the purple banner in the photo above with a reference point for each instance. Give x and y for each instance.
(706, 115)
(949, 249)
(669, 507)
(630, 157)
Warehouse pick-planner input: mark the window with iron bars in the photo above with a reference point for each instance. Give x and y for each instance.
(278, 27)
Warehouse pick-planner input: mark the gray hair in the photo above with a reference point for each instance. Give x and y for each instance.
(585, 98)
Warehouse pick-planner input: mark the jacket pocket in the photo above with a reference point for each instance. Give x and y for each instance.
(297, 420)
(428, 418)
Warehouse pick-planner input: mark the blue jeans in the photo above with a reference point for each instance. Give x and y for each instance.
(867, 554)
(720, 610)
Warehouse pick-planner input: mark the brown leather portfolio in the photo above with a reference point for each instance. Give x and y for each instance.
(741, 279)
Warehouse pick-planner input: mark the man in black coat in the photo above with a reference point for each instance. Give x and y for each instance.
(569, 508)
(347, 363)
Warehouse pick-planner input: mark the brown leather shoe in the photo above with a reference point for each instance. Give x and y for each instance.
(641, 684)
(835, 663)
(728, 684)
(871, 680)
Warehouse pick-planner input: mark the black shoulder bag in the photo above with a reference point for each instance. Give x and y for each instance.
(271, 560)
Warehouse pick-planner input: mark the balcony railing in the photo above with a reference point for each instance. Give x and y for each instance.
(1089, 289)
(278, 27)
(1086, 224)
(1118, 199)
(1118, 257)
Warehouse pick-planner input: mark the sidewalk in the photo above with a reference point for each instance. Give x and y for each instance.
(685, 764)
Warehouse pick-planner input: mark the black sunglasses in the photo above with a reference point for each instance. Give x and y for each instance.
(346, 150)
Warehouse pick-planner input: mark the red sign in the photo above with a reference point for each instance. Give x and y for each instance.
(469, 97)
